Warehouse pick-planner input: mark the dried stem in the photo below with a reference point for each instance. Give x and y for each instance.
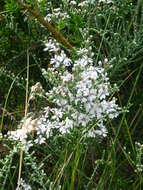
(24, 126)
(54, 31)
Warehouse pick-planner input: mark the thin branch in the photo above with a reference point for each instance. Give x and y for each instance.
(54, 31)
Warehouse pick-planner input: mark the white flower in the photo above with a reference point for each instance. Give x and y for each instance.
(105, 1)
(60, 59)
(90, 73)
(23, 185)
(103, 91)
(101, 131)
(105, 60)
(40, 140)
(82, 62)
(51, 46)
(16, 135)
(82, 51)
(68, 123)
(100, 63)
(73, 3)
(84, 3)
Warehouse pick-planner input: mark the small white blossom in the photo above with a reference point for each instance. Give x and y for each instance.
(82, 62)
(105, 1)
(73, 3)
(51, 46)
(23, 185)
(60, 59)
(67, 77)
(84, 3)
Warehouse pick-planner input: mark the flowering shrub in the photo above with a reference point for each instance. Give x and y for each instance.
(67, 137)
(81, 97)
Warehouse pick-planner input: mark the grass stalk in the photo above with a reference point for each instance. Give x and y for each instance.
(24, 126)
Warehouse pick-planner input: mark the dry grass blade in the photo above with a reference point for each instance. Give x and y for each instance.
(25, 116)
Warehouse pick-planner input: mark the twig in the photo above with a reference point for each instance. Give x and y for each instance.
(54, 31)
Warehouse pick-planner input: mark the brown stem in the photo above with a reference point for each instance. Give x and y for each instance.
(54, 31)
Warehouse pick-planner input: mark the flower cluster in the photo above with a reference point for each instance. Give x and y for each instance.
(57, 14)
(80, 4)
(105, 1)
(81, 98)
(59, 57)
(21, 134)
(66, 7)
(24, 186)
